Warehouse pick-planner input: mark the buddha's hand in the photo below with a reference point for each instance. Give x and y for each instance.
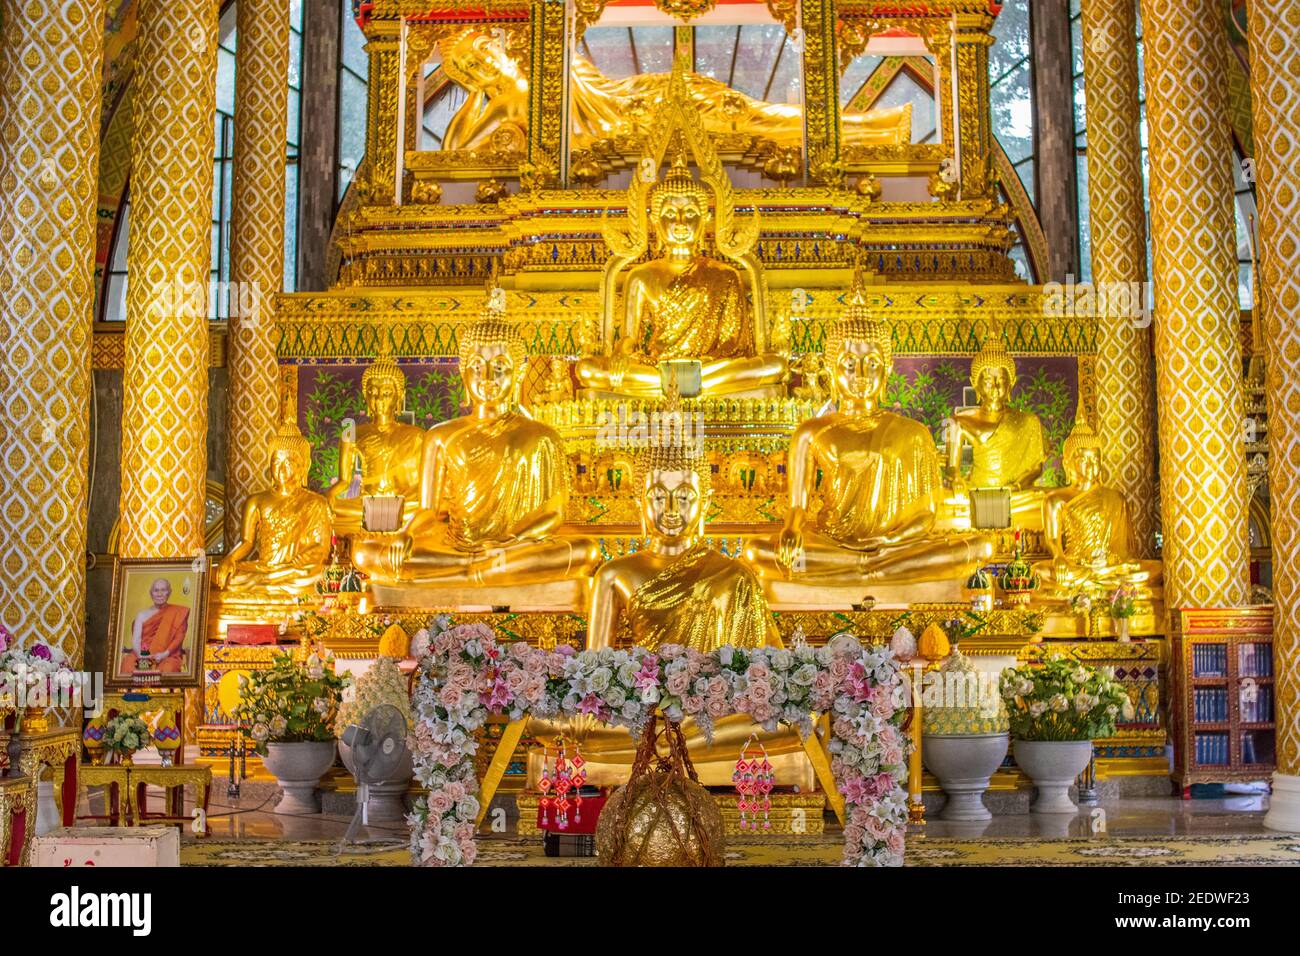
(399, 549)
(222, 573)
(789, 549)
(619, 363)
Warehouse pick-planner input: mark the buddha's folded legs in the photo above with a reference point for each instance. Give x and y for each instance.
(638, 379)
(824, 561)
(399, 559)
(537, 562)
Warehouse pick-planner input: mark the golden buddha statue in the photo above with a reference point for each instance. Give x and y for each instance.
(1007, 445)
(880, 481)
(601, 108)
(679, 590)
(1087, 530)
(683, 305)
(386, 449)
(288, 526)
(492, 485)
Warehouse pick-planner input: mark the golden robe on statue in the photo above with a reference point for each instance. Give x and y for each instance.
(892, 465)
(703, 314)
(703, 600)
(487, 493)
(293, 546)
(1011, 454)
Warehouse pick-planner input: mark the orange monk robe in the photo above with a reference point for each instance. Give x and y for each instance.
(163, 632)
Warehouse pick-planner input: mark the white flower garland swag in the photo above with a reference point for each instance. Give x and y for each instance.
(466, 676)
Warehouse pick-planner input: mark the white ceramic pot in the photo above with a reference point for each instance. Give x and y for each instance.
(387, 800)
(963, 764)
(1053, 765)
(298, 768)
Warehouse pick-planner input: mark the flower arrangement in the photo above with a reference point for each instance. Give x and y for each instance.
(124, 734)
(465, 676)
(1122, 604)
(384, 683)
(1063, 700)
(290, 702)
(41, 669)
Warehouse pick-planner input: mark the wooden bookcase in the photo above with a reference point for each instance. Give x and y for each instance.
(1222, 700)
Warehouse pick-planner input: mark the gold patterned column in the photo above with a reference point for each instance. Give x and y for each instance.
(384, 48)
(821, 79)
(256, 247)
(973, 103)
(1275, 99)
(50, 62)
(1119, 255)
(1198, 355)
(546, 113)
(165, 379)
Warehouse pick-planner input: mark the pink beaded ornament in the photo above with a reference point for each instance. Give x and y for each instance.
(754, 778)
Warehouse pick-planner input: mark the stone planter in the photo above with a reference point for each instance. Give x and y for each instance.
(1053, 765)
(387, 799)
(298, 768)
(963, 765)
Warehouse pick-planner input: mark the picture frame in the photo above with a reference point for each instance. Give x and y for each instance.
(163, 649)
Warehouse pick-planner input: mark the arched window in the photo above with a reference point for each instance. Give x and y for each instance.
(114, 307)
(1012, 102)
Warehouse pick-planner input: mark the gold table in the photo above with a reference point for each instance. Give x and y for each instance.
(127, 793)
(59, 751)
(17, 819)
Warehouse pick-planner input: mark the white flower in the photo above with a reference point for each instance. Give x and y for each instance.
(650, 695)
(1037, 709)
(1025, 687)
(725, 654)
(1058, 703)
(600, 679)
(1079, 675)
(631, 710)
(1084, 703)
(279, 724)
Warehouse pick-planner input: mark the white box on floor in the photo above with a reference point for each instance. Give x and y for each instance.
(108, 846)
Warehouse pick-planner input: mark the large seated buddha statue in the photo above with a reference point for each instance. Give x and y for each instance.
(683, 305)
(880, 483)
(1087, 530)
(385, 449)
(285, 538)
(680, 590)
(493, 486)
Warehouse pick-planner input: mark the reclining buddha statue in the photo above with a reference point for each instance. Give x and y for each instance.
(604, 108)
(680, 590)
(683, 305)
(493, 486)
(880, 484)
(1087, 529)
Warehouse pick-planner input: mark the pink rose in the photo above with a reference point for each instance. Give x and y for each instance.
(882, 707)
(896, 842)
(876, 828)
(516, 680)
(716, 707)
(717, 686)
(455, 790)
(440, 802)
(450, 696)
(678, 684)
(534, 689)
(462, 675)
(693, 703)
(853, 836)
(760, 692)
(759, 671)
(839, 670)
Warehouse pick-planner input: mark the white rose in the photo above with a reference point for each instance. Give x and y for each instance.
(1058, 703)
(1037, 709)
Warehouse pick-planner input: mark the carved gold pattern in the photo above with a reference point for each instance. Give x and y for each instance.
(256, 248)
(1126, 420)
(165, 401)
(1274, 66)
(17, 796)
(50, 104)
(1198, 360)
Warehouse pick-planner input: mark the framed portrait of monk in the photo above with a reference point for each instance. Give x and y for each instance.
(156, 623)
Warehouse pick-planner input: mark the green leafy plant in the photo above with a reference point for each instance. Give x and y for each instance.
(290, 702)
(1062, 699)
(1122, 604)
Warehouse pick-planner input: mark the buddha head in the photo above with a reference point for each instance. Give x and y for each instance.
(1081, 455)
(478, 61)
(860, 354)
(993, 374)
(290, 458)
(383, 386)
(492, 360)
(675, 485)
(679, 208)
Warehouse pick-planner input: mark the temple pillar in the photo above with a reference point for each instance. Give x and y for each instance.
(256, 248)
(1197, 319)
(821, 79)
(51, 62)
(1275, 104)
(548, 160)
(1054, 176)
(974, 129)
(1117, 220)
(318, 163)
(165, 374)
(384, 48)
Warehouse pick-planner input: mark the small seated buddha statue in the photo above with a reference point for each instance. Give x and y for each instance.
(880, 481)
(1007, 445)
(286, 526)
(679, 590)
(386, 449)
(1087, 530)
(683, 305)
(493, 486)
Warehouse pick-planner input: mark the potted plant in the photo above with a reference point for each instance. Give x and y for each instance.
(384, 683)
(964, 735)
(288, 711)
(1122, 610)
(124, 734)
(1056, 711)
